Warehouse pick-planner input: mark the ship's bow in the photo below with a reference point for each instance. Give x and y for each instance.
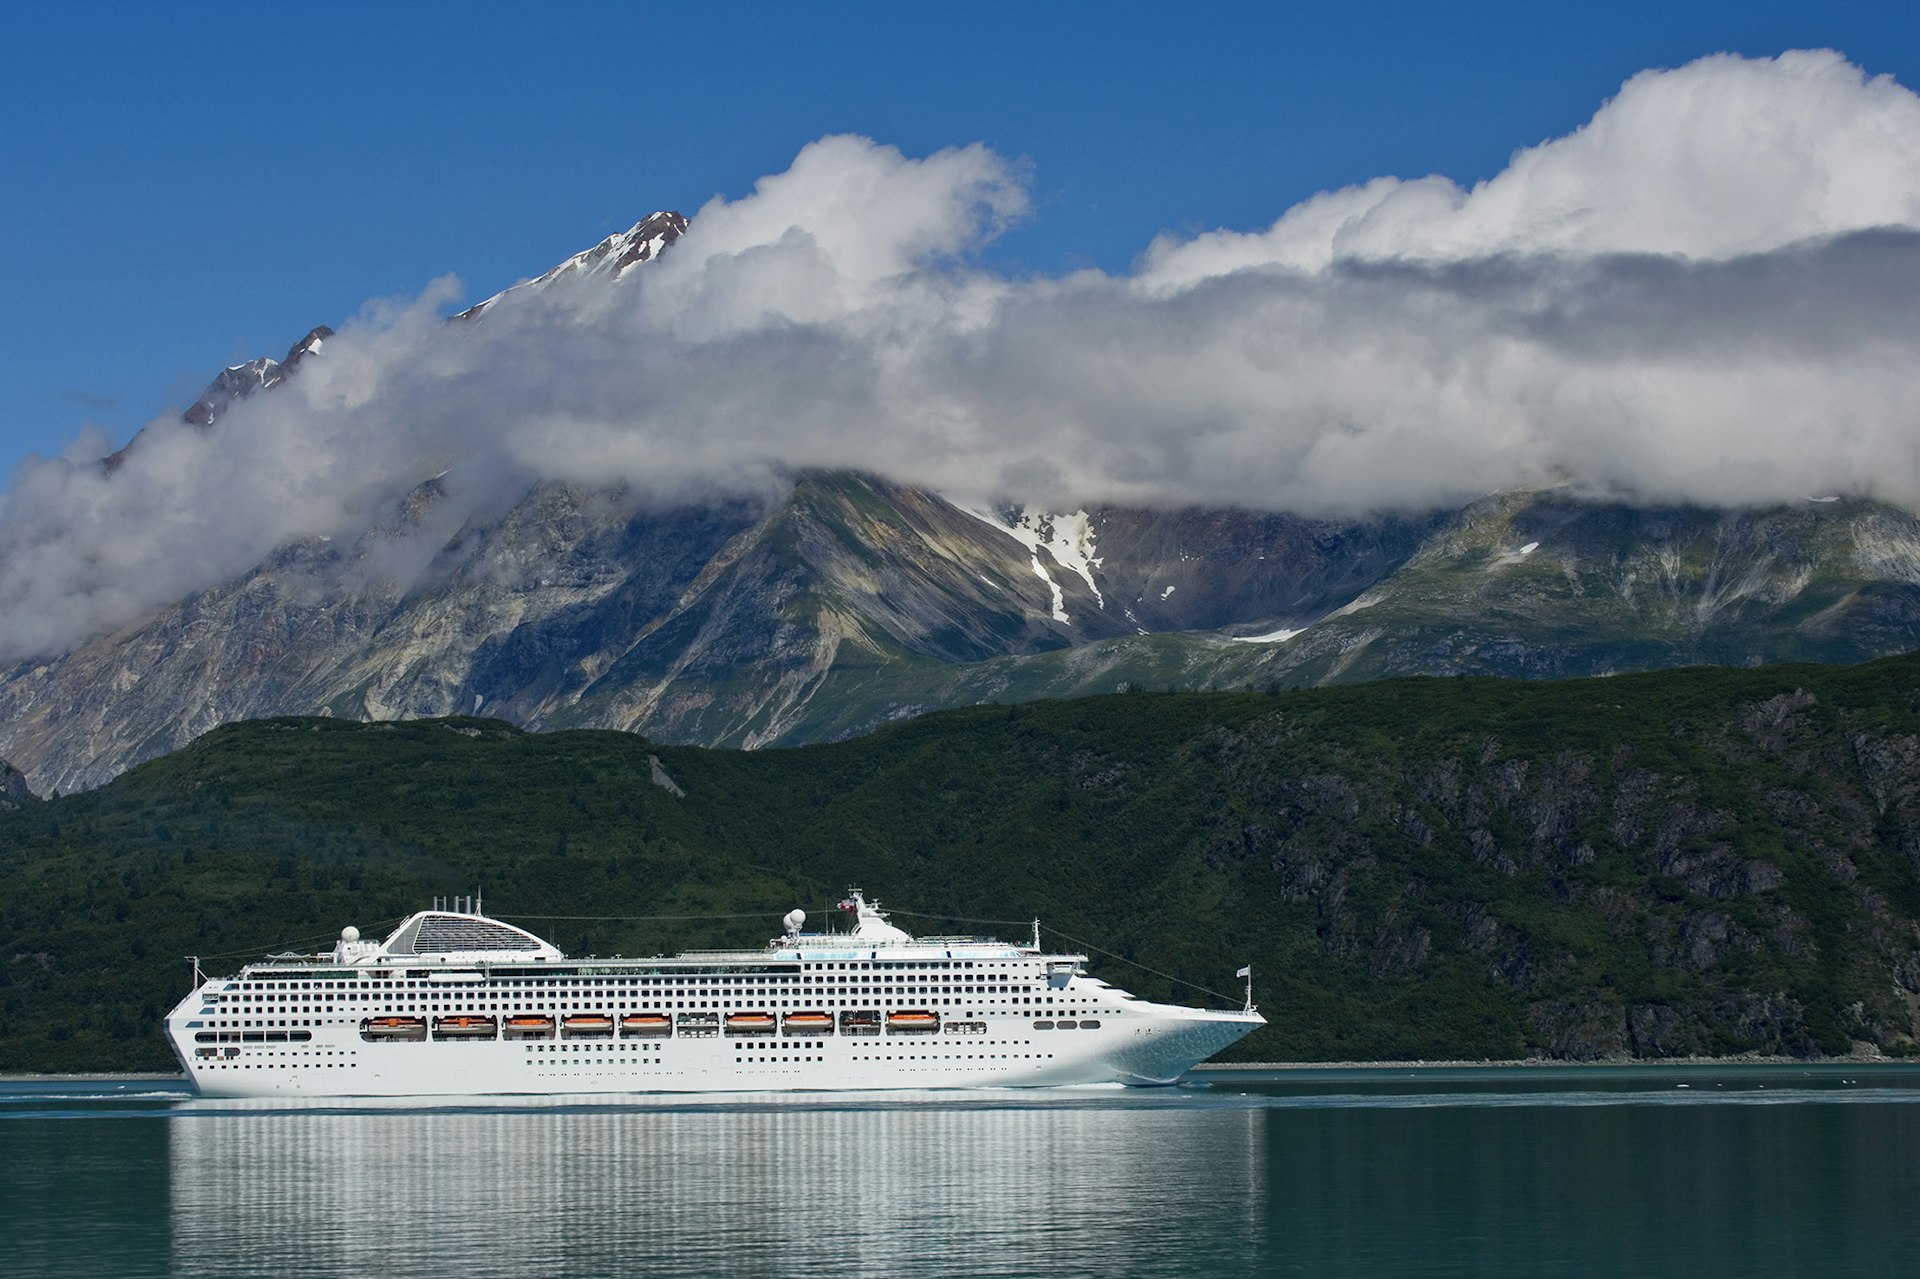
(1166, 1048)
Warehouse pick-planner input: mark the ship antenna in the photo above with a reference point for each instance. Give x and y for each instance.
(1036, 934)
(1247, 972)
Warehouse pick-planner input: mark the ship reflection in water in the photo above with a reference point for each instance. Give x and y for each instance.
(888, 1188)
(1737, 1172)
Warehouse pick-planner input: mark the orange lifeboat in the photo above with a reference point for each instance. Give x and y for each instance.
(402, 1028)
(586, 1024)
(913, 1019)
(464, 1027)
(750, 1023)
(807, 1023)
(646, 1025)
(529, 1026)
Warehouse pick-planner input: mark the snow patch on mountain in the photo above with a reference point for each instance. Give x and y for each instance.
(1280, 636)
(1068, 539)
(1507, 558)
(1059, 598)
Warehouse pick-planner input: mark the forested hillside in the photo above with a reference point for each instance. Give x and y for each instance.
(1687, 862)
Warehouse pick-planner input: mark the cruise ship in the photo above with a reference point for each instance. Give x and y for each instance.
(457, 1003)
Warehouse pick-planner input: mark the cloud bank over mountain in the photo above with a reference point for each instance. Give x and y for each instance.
(1709, 293)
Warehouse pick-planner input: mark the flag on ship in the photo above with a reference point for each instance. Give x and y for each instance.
(1245, 972)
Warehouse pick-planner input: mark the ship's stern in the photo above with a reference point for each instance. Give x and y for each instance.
(180, 1026)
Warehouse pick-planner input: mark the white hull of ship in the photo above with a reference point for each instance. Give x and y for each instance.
(1154, 1045)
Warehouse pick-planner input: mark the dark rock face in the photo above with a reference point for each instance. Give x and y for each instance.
(1636, 909)
(242, 380)
(1211, 569)
(13, 789)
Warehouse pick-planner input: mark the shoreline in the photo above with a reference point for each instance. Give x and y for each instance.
(86, 1076)
(1212, 1067)
(1548, 1063)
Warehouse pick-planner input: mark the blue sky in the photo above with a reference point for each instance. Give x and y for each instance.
(187, 185)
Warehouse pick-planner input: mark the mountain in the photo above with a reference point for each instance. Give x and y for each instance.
(1702, 861)
(610, 259)
(236, 382)
(847, 601)
(830, 609)
(261, 374)
(1547, 585)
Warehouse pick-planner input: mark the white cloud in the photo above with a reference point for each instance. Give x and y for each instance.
(1708, 293)
(1725, 156)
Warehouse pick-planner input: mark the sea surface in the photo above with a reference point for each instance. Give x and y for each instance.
(1696, 1171)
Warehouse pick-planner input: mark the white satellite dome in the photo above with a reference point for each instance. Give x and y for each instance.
(349, 933)
(794, 919)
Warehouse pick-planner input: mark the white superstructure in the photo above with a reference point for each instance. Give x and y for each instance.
(457, 1003)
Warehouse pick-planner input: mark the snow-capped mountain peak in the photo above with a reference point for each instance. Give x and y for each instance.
(613, 257)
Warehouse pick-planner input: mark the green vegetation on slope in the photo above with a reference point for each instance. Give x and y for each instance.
(1699, 861)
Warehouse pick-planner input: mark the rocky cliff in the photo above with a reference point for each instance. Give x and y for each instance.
(14, 793)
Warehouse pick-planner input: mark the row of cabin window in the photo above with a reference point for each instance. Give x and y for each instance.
(681, 983)
(894, 966)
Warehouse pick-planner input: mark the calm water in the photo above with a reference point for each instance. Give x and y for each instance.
(1761, 1171)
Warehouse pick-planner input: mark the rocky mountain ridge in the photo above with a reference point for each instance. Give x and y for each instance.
(260, 374)
(612, 258)
(850, 602)
(723, 623)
